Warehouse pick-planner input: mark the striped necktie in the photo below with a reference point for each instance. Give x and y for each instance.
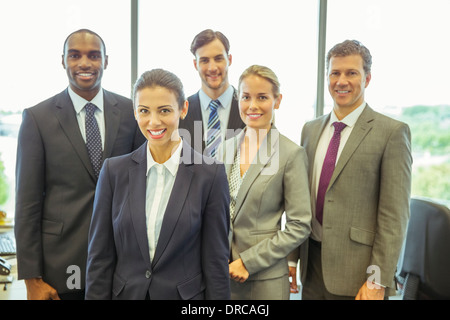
(213, 137)
(93, 139)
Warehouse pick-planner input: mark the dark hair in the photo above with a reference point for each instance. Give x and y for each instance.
(351, 47)
(160, 78)
(207, 36)
(84, 31)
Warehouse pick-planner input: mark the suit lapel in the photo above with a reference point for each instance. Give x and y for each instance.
(176, 202)
(137, 187)
(112, 122)
(195, 112)
(234, 120)
(194, 121)
(311, 140)
(265, 153)
(362, 127)
(65, 113)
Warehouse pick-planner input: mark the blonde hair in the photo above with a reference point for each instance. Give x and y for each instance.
(265, 73)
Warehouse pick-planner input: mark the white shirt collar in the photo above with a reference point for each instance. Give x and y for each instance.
(79, 102)
(171, 164)
(225, 99)
(351, 118)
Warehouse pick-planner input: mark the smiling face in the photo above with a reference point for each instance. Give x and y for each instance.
(158, 113)
(84, 60)
(212, 62)
(257, 102)
(347, 81)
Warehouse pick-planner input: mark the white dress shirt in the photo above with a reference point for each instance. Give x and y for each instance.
(79, 103)
(160, 180)
(321, 151)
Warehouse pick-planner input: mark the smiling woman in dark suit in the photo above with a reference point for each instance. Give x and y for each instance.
(161, 214)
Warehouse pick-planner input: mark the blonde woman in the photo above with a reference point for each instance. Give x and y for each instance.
(267, 176)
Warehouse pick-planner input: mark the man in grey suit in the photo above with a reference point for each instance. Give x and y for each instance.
(55, 178)
(360, 214)
(211, 60)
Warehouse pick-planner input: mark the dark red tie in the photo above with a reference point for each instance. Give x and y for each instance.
(328, 168)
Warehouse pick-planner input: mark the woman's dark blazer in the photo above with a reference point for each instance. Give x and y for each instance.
(191, 257)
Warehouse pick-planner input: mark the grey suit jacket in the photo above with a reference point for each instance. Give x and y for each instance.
(193, 123)
(367, 202)
(276, 182)
(55, 184)
(191, 257)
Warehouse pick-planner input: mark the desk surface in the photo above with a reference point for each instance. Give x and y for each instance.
(16, 289)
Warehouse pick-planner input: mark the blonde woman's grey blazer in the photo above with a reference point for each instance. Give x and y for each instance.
(276, 182)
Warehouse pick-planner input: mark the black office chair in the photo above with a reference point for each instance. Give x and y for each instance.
(426, 261)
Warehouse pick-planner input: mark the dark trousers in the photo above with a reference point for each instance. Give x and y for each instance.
(75, 295)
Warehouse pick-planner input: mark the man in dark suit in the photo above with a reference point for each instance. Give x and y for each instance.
(212, 59)
(55, 177)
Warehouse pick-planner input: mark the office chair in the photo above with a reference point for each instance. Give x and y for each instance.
(426, 260)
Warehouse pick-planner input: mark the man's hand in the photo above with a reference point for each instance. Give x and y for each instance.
(374, 292)
(293, 282)
(37, 289)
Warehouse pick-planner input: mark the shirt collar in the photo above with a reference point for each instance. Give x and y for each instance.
(351, 118)
(171, 164)
(225, 98)
(80, 102)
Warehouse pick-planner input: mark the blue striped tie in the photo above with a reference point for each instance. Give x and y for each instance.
(213, 137)
(93, 139)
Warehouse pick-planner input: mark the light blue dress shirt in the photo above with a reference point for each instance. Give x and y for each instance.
(160, 181)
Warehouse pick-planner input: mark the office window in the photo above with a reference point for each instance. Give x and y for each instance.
(281, 36)
(33, 33)
(410, 80)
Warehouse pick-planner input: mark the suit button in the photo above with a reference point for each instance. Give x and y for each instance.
(148, 274)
